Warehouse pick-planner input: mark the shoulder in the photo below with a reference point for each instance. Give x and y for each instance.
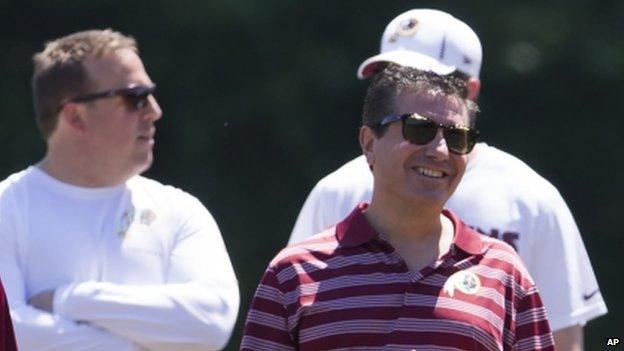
(493, 245)
(15, 178)
(14, 199)
(175, 203)
(354, 173)
(492, 158)
(310, 254)
(508, 169)
(501, 256)
(158, 191)
(14, 182)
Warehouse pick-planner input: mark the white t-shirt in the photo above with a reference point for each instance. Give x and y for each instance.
(136, 266)
(499, 196)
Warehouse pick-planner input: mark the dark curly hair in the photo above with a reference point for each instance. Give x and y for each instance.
(387, 85)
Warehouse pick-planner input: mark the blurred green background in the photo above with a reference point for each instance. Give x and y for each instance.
(261, 100)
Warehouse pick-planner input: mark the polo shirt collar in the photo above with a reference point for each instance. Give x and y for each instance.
(464, 237)
(355, 230)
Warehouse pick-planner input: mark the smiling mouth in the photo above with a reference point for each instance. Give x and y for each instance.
(149, 135)
(428, 172)
(145, 139)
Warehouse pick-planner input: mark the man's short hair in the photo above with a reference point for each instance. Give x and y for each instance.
(394, 80)
(60, 74)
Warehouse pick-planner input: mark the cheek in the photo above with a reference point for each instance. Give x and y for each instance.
(114, 137)
(460, 163)
(389, 150)
(122, 127)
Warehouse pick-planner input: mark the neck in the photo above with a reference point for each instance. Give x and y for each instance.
(420, 236)
(80, 169)
(399, 220)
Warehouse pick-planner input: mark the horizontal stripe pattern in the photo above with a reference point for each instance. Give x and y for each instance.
(253, 343)
(322, 295)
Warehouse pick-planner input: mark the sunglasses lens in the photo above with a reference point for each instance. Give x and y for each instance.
(460, 141)
(419, 131)
(137, 102)
(136, 98)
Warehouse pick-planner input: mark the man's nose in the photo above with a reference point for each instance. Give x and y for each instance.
(437, 148)
(152, 110)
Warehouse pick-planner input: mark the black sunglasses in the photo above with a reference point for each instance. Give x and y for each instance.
(135, 96)
(421, 130)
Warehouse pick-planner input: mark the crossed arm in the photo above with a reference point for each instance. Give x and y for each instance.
(195, 309)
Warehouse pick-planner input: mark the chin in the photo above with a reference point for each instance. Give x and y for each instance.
(143, 164)
(428, 197)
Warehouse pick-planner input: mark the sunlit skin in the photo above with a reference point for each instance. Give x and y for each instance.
(395, 160)
(103, 142)
(114, 134)
(401, 190)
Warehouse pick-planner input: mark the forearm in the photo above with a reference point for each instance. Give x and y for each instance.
(569, 339)
(38, 330)
(159, 317)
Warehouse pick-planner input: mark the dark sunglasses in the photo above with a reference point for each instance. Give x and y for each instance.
(421, 130)
(135, 96)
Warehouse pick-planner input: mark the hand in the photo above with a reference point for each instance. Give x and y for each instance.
(43, 300)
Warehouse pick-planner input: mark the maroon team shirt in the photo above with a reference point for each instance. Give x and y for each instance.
(7, 343)
(347, 288)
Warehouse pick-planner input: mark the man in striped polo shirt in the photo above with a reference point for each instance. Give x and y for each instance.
(386, 279)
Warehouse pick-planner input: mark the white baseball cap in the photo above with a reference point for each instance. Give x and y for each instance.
(430, 40)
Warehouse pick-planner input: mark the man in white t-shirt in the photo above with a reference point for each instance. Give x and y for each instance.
(94, 256)
(499, 196)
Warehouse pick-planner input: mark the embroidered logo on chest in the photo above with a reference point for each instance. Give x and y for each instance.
(126, 221)
(145, 218)
(465, 281)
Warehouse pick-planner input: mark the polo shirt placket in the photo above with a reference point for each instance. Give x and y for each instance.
(451, 262)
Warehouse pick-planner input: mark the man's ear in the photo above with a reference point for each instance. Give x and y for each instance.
(474, 87)
(367, 142)
(72, 115)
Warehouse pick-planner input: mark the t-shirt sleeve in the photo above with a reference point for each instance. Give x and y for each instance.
(561, 267)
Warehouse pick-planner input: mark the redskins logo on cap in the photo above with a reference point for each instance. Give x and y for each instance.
(465, 281)
(407, 27)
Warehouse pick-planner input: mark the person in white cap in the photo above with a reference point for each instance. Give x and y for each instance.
(499, 196)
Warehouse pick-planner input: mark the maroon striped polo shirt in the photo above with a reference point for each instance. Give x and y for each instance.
(347, 288)
(7, 337)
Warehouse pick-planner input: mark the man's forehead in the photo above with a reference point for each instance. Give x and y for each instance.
(118, 68)
(431, 103)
